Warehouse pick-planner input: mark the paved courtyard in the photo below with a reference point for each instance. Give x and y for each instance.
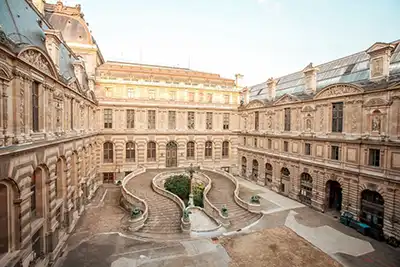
(99, 240)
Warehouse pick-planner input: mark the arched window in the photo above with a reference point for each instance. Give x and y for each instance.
(4, 219)
(268, 173)
(190, 150)
(130, 152)
(59, 173)
(108, 152)
(372, 209)
(306, 185)
(225, 149)
(151, 151)
(37, 196)
(254, 172)
(244, 166)
(208, 150)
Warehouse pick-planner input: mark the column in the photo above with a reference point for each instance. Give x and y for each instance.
(7, 109)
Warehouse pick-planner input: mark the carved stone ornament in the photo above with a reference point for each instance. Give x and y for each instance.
(255, 104)
(308, 109)
(37, 60)
(376, 102)
(286, 98)
(58, 95)
(338, 90)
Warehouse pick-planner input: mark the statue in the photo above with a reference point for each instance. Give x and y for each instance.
(376, 123)
(191, 170)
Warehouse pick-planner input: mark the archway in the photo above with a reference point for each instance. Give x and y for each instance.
(372, 209)
(268, 174)
(254, 170)
(244, 166)
(284, 181)
(4, 219)
(334, 196)
(171, 155)
(306, 185)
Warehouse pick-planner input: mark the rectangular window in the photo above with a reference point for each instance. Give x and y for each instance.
(337, 117)
(191, 120)
(256, 120)
(191, 97)
(201, 97)
(209, 98)
(152, 94)
(131, 93)
(226, 99)
(374, 157)
(244, 141)
(226, 121)
(285, 146)
(108, 92)
(130, 118)
(209, 120)
(171, 120)
(255, 142)
(269, 143)
(108, 177)
(172, 95)
(151, 119)
(107, 118)
(335, 151)
(35, 106)
(287, 119)
(307, 148)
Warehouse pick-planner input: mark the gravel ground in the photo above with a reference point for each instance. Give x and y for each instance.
(276, 247)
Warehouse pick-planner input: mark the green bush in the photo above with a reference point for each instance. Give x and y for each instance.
(178, 185)
(198, 190)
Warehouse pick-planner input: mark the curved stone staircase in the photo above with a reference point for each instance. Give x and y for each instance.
(164, 219)
(221, 193)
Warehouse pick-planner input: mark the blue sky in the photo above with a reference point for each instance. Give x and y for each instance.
(257, 38)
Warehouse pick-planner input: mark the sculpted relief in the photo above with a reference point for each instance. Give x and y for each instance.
(338, 90)
(38, 60)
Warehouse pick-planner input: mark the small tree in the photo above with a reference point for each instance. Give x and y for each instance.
(255, 199)
(178, 185)
(198, 190)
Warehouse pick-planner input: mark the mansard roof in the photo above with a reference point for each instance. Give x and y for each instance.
(23, 27)
(350, 69)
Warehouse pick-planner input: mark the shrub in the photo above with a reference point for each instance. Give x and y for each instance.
(178, 185)
(224, 211)
(136, 212)
(198, 190)
(255, 199)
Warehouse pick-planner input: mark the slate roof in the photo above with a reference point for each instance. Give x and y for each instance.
(19, 22)
(351, 69)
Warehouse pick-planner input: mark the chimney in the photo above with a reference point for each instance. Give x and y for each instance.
(39, 4)
(271, 85)
(379, 60)
(310, 77)
(237, 78)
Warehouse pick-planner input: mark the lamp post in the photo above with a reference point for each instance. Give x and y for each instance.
(191, 170)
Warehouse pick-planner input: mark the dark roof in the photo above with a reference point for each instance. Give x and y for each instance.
(20, 24)
(351, 69)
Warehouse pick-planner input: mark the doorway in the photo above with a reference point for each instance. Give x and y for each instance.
(171, 153)
(334, 194)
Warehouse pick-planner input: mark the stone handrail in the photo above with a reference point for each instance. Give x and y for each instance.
(206, 230)
(254, 208)
(209, 208)
(134, 201)
(159, 188)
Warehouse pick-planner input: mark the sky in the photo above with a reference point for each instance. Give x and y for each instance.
(257, 38)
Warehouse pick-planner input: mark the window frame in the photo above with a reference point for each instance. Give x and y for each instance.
(374, 157)
(287, 119)
(335, 152)
(190, 150)
(151, 119)
(130, 152)
(225, 149)
(107, 118)
(171, 119)
(151, 152)
(130, 118)
(108, 152)
(337, 117)
(307, 149)
(225, 121)
(208, 147)
(209, 120)
(35, 106)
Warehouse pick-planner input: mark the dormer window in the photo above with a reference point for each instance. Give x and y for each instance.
(380, 55)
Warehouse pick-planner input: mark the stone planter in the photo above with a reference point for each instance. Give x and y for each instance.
(185, 226)
(254, 207)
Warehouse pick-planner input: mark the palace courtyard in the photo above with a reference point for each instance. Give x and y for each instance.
(288, 234)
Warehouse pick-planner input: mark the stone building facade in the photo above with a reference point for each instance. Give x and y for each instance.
(329, 136)
(48, 137)
(161, 117)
